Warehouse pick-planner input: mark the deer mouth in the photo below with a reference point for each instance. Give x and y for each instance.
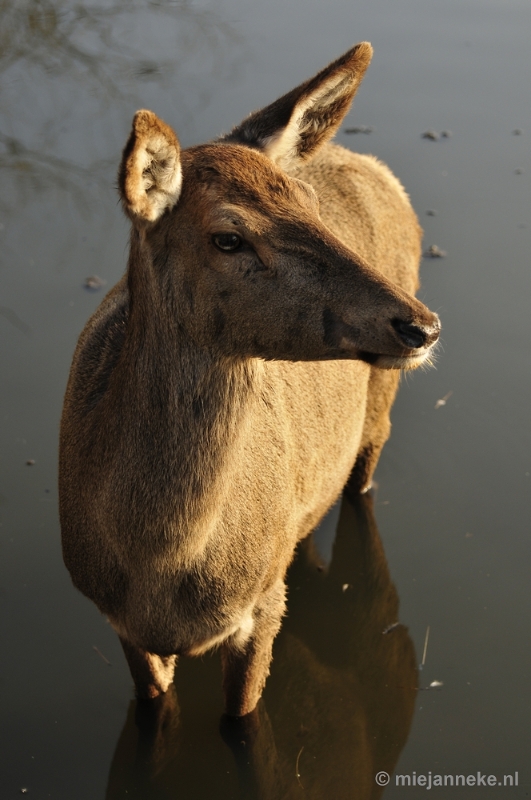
(405, 362)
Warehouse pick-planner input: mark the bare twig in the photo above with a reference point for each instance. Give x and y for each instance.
(442, 401)
(98, 651)
(425, 646)
(297, 773)
(391, 627)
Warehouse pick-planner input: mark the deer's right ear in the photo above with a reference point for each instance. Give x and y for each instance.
(150, 173)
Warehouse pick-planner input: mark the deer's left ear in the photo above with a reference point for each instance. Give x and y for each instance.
(294, 127)
(150, 173)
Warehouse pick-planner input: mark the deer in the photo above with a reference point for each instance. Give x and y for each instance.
(237, 377)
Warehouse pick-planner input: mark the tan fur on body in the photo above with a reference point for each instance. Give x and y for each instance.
(220, 397)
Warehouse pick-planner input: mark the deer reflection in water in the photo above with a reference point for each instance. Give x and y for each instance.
(338, 704)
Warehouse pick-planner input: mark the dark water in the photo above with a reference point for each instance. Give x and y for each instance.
(453, 501)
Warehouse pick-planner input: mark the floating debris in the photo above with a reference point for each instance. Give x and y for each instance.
(421, 665)
(94, 282)
(15, 320)
(98, 651)
(345, 587)
(434, 251)
(146, 69)
(435, 684)
(442, 401)
(391, 628)
(434, 136)
(360, 129)
(297, 773)
(430, 212)
(30, 462)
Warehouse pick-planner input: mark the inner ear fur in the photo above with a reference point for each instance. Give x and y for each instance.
(294, 127)
(150, 173)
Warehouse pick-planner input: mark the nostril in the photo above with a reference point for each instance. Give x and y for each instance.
(411, 335)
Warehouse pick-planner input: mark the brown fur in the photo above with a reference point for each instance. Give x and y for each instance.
(218, 400)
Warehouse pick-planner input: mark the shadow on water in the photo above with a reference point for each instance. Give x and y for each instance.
(338, 704)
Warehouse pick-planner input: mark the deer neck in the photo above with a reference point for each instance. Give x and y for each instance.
(181, 404)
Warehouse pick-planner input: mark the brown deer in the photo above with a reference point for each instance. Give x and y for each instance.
(228, 386)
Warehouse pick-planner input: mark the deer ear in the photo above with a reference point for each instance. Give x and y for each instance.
(294, 127)
(150, 173)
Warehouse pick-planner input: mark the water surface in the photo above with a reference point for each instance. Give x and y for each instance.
(452, 506)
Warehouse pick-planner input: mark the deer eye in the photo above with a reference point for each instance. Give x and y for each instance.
(227, 242)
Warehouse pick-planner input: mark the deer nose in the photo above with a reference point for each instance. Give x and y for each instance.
(415, 336)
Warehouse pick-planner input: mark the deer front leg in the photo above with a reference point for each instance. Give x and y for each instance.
(246, 664)
(151, 673)
(383, 385)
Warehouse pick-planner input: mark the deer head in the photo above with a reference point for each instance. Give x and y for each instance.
(236, 246)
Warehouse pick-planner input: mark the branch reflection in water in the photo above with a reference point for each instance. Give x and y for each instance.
(337, 707)
(70, 74)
